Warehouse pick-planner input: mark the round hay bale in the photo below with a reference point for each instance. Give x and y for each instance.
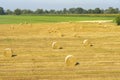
(8, 52)
(56, 45)
(70, 60)
(75, 35)
(87, 42)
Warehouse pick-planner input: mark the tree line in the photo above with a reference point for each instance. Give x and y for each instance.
(77, 10)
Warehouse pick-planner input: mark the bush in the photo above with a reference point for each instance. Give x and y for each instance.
(117, 20)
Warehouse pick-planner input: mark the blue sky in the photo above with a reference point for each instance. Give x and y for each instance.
(58, 4)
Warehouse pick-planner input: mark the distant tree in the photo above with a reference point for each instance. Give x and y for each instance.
(59, 12)
(46, 12)
(97, 11)
(90, 11)
(102, 11)
(65, 11)
(9, 12)
(39, 11)
(79, 10)
(72, 10)
(85, 11)
(116, 10)
(17, 11)
(52, 11)
(27, 11)
(112, 10)
(2, 11)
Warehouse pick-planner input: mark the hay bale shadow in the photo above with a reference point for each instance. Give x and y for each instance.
(14, 55)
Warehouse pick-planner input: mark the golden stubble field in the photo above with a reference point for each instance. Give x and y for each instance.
(36, 60)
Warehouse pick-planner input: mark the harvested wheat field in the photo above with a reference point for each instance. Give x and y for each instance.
(36, 59)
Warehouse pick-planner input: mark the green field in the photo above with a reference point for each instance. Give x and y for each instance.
(51, 18)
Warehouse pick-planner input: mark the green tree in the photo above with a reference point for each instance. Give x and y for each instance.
(72, 10)
(46, 12)
(112, 10)
(90, 11)
(97, 11)
(39, 11)
(79, 10)
(59, 12)
(116, 10)
(17, 11)
(27, 11)
(2, 11)
(52, 11)
(118, 20)
(65, 11)
(9, 12)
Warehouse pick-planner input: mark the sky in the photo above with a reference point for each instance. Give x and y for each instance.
(58, 4)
